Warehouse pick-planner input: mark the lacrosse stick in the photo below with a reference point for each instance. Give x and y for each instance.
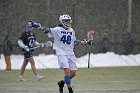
(90, 35)
(48, 44)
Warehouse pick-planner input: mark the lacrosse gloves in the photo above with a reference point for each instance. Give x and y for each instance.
(42, 45)
(27, 49)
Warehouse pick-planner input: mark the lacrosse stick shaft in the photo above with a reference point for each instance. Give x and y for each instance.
(90, 35)
(35, 47)
(89, 56)
(48, 44)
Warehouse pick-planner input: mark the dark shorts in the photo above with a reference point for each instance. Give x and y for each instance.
(28, 55)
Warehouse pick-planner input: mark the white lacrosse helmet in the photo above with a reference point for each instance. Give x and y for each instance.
(65, 20)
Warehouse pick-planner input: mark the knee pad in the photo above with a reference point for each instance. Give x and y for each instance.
(67, 80)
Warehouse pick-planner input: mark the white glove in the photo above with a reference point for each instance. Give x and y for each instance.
(49, 43)
(42, 45)
(27, 49)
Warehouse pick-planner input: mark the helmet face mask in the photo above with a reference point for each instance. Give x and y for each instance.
(65, 20)
(67, 23)
(29, 25)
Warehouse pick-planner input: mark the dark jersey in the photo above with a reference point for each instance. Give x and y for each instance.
(28, 39)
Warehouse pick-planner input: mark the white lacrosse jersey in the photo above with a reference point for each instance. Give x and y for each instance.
(63, 40)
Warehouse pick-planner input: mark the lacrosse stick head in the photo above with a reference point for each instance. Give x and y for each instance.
(90, 36)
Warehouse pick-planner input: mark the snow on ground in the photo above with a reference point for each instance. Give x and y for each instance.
(108, 59)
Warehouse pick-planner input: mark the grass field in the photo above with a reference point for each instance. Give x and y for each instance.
(93, 80)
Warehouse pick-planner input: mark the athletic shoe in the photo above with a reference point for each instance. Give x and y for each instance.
(38, 77)
(61, 85)
(70, 90)
(20, 78)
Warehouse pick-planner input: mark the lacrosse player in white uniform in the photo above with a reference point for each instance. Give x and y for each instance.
(64, 41)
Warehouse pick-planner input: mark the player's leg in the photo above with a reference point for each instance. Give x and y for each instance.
(64, 64)
(69, 74)
(23, 67)
(33, 67)
(72, 73)
(61, 85)
(67, 79)
(31, 60)
(72, 65)
(25, 62)
(73, 69)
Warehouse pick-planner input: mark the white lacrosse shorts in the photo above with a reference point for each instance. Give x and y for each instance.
(67, 61)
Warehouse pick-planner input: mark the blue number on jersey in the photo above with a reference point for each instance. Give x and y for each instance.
(66, 39)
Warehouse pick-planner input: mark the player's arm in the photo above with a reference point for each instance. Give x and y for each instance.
(21, 42)
(37, 44)
(44, 30)
(21, 39)
(23, 46)
(82, 42)
(33, 24)
(78, 42)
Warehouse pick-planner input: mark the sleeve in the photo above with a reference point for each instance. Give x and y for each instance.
(21, 44)
(21, 40)
(50, 31)
(53, 31)
(36, 43)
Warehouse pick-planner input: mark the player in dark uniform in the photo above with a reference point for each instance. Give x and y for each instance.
(27, 42)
